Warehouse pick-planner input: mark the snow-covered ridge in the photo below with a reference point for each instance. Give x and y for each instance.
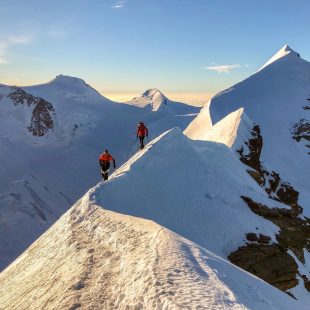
(283, 52)
(45, 174)
(68, 88)
(264, 120)
(96, 256)
(232, 130)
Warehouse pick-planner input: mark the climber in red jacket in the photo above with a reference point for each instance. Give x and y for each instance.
(142, 132)
(104, 161)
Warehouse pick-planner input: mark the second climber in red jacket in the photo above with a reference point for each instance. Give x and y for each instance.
(142, 132)
(104, 161)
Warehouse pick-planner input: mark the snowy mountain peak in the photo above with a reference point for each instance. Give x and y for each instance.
(153, 92)
(64, 88)
(152, 98)
(155, 98)
(68, 79)
(283, 52)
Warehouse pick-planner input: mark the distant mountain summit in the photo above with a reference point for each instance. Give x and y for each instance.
(265, 121)
(156, 101)
(283, 52)
(67, 87)
(152, 98)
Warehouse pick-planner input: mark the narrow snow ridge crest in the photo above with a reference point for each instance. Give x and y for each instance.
(283, 52)
(166, 139)
(153, 92)
(66, 79)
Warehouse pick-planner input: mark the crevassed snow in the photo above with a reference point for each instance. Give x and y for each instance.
(97, 259)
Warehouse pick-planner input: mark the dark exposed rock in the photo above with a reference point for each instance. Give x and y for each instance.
(294, 231)
(258, 177)
(42, 114)
(281, 271)
(41, 120)
(270, 181)
(306, 282)
(253, 237)
(264, 239)
(301, 130)
(19, 96)
(288, 195)
(272, 262)
(273, 182)
(255, 145)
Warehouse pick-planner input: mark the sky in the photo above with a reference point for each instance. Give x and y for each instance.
(185, 48)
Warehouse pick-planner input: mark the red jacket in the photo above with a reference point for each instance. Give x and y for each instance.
(103, 158)
(142, 131)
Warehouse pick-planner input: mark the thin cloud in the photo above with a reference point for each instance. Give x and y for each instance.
(8, 42)
(222, 68)
(3, 53)
(57, 33)
(119, 4)
(22, 39)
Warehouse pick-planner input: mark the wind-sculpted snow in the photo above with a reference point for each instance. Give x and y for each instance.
(93, 258)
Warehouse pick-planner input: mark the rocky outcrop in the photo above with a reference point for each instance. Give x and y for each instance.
(258, 238)
(254, 145)
(19, 96)
(41, 120)
(42, 114)
(294, 230)
(301, 130)
(281, 271)
(272, 261)
(275, 187)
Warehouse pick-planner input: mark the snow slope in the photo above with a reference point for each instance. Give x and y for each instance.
(95, 258)
(265, 122)
(42, 176)
(275, 98)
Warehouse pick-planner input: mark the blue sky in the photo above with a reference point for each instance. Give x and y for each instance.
(129, 46)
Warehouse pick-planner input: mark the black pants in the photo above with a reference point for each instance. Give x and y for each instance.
(105, 169)
(141, 138)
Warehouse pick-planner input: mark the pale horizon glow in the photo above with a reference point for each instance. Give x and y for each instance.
(196, 99)
(128, 46)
